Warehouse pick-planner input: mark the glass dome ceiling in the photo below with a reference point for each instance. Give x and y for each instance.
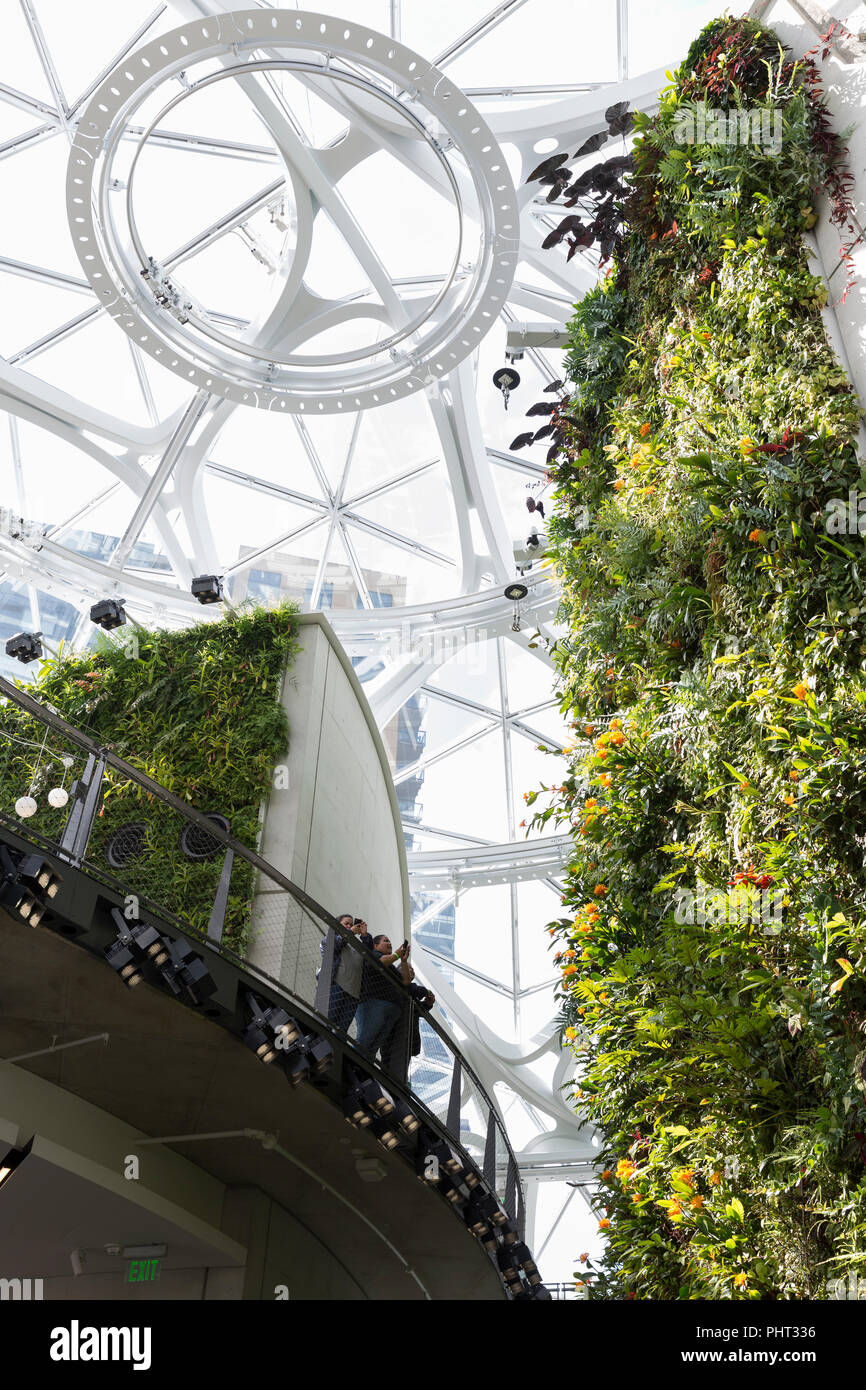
(399, 519)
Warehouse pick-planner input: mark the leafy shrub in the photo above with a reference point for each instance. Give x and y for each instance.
(713, 671)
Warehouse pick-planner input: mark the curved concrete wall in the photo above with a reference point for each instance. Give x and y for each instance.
(332, 823)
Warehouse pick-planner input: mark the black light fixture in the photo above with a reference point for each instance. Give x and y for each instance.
(25, 881)
(454, 1192)
(482, 1210)
(207, 588)
(297, 1067)
(355, 1110)
(509, 1233)
(521, 1255)
(270, 1029)
(515, 592)
(122, 957)
(109, 613)
(406, 1118)
(25, 646)
(509, 1270)
(126, 843)
(375, 1097)
(186, 972)
(506, 380)
(386, 1131)
(319, 1053)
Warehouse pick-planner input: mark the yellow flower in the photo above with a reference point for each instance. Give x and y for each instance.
(747, 446)
(740, 1280)
(800, 690)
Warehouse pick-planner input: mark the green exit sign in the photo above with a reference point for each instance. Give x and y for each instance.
(142, 1271)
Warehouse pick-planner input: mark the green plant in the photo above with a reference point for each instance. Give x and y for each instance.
(196, 710)
(713, 672)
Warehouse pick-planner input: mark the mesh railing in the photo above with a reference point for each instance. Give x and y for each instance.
(126, 831)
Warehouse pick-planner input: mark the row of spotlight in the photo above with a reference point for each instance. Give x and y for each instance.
(28, 884)
(367, 1105)
(109, 613)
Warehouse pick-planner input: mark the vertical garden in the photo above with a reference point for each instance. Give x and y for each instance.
(712, 942)
(199, 712)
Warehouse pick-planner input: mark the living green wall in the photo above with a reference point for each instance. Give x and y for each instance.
(713, 674)
(196, 710)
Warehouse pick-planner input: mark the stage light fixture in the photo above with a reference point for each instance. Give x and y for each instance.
(207, 588)
(319, 1052)
(297, 1067)
(520, 1253)
(354, 1109)
(270, 1031)
(25, 646)
(509, 1270)
(406, 1118)
(386, 1132)
(23, 878)
(375, 1097)
(122, 959)
(108, 613)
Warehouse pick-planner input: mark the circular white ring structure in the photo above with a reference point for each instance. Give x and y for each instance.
(134, 289)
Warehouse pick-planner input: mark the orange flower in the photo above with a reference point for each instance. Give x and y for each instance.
(599, 890)
(571, 1032)
(584, 1257)
(610, 674)
(624, 1170)
(522, 824)
(606, 1174)
(800, 691)
(756, 535)
(603, 1224)
(589, 803)
(645, 429)
(685, 1175)
(794, 776)
(740, 1280)
(716, 1178)
(697, 1203)
(790, 800)
(589, 730)
(605, 779)
(617, 738)
(636, 1197)
(618, 485)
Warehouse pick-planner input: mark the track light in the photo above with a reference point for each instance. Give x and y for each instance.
(406, 1118)
(121, 956)
(509, 1233)
(482, 1210)
(319, 1052)
(108, 613)
(375, 1097)
(25, 880)
(509, 1270)
(386, 1131)
(354, 1109)
(297, 1068)
(270, 1031)
(25, 646)
(207, 588)
(521, 1255)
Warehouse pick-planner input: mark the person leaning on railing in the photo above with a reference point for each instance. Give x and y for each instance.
(383, 1011)
(346, 974)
